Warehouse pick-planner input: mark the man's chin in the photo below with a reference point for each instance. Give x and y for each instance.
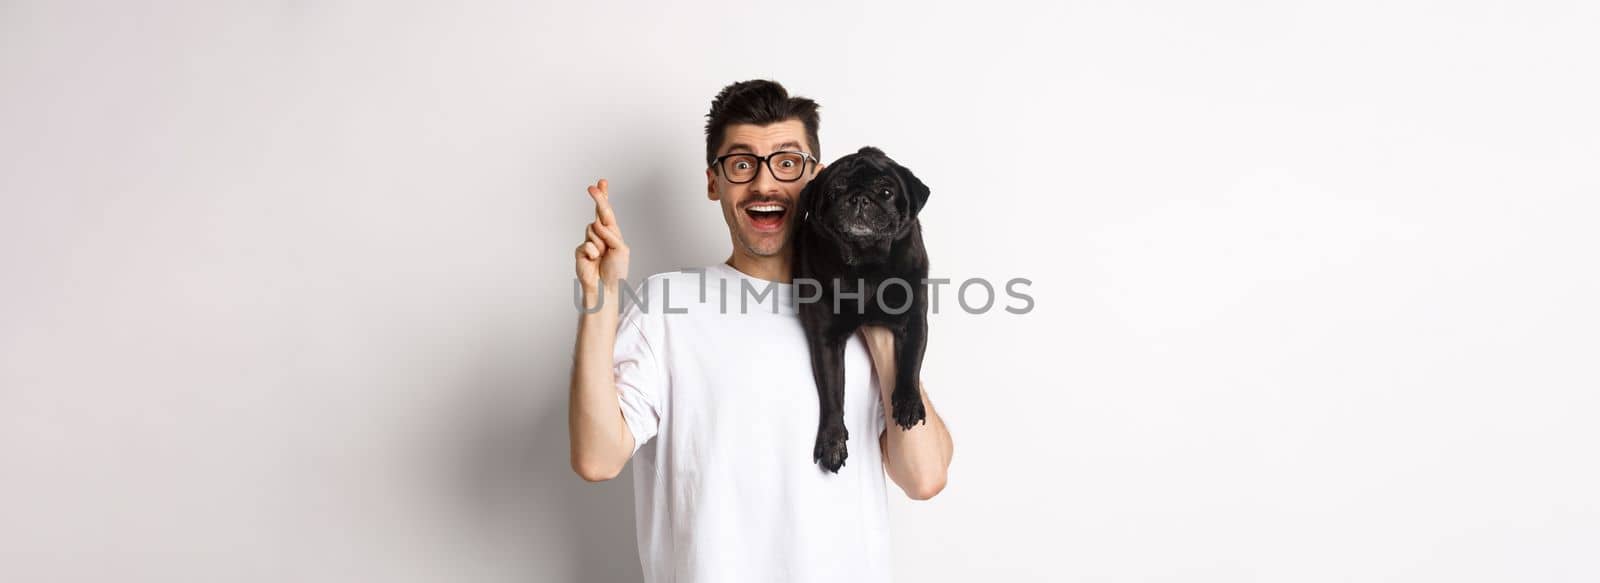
(765, 243)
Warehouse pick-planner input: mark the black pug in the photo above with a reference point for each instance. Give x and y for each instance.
(858, 229)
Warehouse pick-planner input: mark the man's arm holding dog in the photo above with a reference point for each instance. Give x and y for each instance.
(917, 459)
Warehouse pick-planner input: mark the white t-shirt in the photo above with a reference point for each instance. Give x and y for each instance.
(723, 410)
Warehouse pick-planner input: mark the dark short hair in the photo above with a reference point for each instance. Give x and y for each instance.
(759, 102)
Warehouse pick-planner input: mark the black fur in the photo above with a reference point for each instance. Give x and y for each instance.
(850, 231)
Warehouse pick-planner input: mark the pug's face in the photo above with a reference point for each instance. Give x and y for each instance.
(864, 199)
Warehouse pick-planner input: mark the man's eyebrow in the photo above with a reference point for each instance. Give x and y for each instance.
(740, 146)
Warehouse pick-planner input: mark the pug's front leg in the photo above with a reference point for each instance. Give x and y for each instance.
(827, 362)
(909, 345)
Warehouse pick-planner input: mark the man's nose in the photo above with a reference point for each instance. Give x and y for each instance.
(764, 182)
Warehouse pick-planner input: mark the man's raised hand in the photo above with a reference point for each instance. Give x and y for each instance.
(603, 256)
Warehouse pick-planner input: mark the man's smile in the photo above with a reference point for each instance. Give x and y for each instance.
(767, 216)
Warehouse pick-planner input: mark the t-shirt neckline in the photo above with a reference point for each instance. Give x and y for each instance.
(734, 271)
(782, 293)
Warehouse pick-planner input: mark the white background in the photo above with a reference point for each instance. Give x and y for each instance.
(286, 285)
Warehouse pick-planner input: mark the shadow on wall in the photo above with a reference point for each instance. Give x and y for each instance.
(512, 474)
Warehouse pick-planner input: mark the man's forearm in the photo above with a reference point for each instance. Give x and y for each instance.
(601, 442)
(917, 459)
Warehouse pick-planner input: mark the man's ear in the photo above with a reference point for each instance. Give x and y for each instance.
(711, 185)
(916, 191)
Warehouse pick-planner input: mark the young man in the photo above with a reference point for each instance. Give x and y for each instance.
(707, 381)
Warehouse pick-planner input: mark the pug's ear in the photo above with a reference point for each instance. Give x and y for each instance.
(808, 195)
(916, 191)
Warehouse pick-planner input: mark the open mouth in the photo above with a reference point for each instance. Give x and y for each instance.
(766, 216)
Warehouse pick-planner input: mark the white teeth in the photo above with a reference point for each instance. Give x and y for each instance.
(766, 208)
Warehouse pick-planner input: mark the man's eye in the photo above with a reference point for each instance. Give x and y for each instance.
(742, 165)
(787, 163)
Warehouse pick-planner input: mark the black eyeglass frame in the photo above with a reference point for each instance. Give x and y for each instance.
(763, 161)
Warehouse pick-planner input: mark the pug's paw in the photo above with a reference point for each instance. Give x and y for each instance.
(908, 409)
(830, 448)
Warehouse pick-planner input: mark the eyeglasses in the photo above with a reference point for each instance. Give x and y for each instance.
(742, 168)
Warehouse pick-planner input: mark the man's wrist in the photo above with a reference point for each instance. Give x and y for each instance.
(605, 297)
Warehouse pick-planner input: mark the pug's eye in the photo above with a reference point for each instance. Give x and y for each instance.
(886, 192)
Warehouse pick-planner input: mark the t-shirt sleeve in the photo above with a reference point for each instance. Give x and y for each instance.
(640, 377)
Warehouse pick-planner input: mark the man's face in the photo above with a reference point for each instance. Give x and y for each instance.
(760, 213)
